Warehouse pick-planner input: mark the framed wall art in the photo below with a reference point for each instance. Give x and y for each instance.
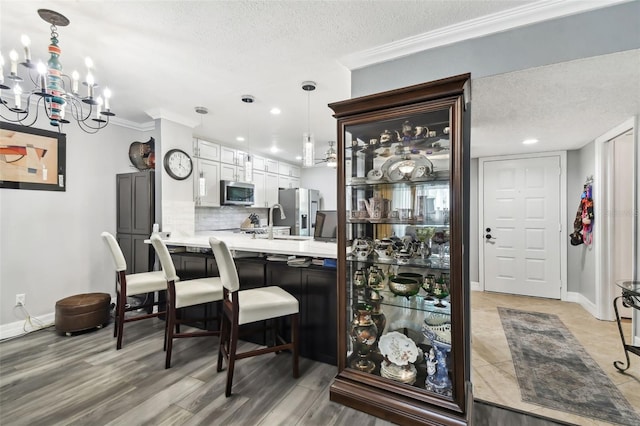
(32, 158)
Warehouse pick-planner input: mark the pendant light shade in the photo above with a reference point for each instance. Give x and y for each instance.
(248, 164)
(307, 138)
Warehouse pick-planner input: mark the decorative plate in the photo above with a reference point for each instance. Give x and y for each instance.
(398, 348)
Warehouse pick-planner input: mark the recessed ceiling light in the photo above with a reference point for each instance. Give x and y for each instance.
(529, 141)
(274, 149)
(240, 139)
(298, 157)
(275, 111)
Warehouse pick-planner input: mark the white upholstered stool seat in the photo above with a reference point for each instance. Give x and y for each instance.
(260, 304)
(182, 294)
(145, 282)
(247, 306)
(195, 292)
(131, 285)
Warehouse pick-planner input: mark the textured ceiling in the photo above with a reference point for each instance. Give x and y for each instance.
(163, 58)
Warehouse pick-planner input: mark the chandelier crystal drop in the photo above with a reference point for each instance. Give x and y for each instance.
(52, 91)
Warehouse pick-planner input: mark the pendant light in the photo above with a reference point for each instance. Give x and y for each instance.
(307, 138)
(248, 164)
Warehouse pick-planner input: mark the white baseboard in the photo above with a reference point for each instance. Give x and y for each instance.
(582, 301)
(475, 286)
(21, 327)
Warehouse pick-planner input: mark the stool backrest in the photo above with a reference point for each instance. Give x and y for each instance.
(226, 266)
(116, 252)
(168, 267)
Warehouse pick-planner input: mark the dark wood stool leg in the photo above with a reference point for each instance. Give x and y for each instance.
(171, 319)
(295, 321)
(224, 341)
(122, 300)
(233, 344)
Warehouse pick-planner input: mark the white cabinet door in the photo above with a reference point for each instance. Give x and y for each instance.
(294, 182)
(206, 189)
(284, 181)
(270, 165)
(259, 163)
(260, 188)
(271, 188)
(284, 169)
(227, 172)
(294, 171)
(227, 155)
(205, 149)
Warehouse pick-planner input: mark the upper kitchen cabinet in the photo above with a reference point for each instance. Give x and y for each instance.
(206, 150)
(232, 156)
(266, 188)
(403, 233)
(286, 169)
(206, 183)
(264, 164)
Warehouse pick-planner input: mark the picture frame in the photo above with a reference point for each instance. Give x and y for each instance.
(32, 158)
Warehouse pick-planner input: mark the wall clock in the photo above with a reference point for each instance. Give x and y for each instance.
(178, 164)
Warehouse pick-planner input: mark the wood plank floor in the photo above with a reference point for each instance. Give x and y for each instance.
(47, 379)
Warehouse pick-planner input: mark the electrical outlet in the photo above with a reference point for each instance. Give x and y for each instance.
(20, 299)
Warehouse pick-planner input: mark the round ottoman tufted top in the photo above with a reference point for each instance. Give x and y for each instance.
(82, 303)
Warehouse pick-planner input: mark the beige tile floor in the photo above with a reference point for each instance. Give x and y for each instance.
(492, 372)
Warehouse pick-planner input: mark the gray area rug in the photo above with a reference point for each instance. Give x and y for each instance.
(555, 371)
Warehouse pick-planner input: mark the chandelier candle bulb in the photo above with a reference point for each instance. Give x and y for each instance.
(27, 52)
(74, 86)
(17, 91)
(107, 94)
(42, 70)
(90, 82)
(13, 56)
(98, 107)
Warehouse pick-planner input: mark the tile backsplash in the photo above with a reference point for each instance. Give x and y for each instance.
(227, 217)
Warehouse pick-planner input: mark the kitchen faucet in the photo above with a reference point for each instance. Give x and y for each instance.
(282, 216)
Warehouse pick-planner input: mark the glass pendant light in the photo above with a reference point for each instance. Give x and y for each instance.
(307, 138)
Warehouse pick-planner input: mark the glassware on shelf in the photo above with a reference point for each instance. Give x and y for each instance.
(364, 335)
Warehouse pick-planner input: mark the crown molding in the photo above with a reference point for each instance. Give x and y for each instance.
(141, 127)
(527, 14)
(160, 113)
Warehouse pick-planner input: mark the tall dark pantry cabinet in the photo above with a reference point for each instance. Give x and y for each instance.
(135, 195)
(403, 254)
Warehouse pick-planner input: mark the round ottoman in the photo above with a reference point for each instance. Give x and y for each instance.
(82, 312)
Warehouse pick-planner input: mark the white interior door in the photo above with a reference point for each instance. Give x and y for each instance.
(522, 223)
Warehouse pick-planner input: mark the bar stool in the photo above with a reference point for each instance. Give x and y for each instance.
(181, 294)
(131, 285)
(247, 306)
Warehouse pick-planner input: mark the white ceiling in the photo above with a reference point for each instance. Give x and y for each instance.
(163, 58)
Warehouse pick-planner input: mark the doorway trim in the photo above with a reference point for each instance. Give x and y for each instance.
(563, 212)
(605, 292)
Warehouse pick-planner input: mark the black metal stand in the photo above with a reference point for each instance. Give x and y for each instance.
(630, 299)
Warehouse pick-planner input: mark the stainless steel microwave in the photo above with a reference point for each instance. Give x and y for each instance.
(234, 193)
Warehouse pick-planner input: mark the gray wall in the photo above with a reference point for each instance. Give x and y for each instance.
(580, 259)
(325, 180)
(603, 31)
(50, 245)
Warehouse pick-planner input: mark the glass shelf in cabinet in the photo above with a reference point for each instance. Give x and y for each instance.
(421, 263)
(434, 183)
(420, 302)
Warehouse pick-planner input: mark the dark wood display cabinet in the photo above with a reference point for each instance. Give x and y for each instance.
(403, 284)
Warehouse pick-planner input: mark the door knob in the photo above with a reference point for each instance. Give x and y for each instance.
(489, 237)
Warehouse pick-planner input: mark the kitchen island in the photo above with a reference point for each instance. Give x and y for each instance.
(314, 286)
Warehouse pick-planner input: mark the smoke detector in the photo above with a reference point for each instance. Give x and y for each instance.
(247, 99)
(202, 110)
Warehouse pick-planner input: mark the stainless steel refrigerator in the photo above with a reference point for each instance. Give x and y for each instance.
(300, 206)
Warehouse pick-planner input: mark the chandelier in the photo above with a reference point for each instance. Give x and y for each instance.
(53, 92)
(307, 138)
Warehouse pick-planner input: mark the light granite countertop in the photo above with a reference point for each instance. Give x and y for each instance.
(289, 245)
